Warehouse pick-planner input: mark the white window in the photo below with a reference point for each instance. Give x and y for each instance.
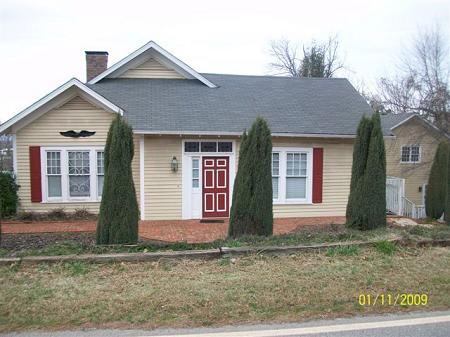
(275, 174)
(292, 175)
(72, 174)
(410, 154)
(54, 174)
(100, 172)
(79, 174)
(195, 172)
(296, 175)
(208, 146)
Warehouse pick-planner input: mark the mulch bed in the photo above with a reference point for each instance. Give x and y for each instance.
(18, 242)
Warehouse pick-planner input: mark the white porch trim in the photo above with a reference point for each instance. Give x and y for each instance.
(142, 175)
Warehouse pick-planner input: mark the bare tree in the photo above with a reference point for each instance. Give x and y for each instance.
(319, 59)
(422, 85)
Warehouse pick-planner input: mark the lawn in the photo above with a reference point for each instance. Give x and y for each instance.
(84, 243)
(218, 292)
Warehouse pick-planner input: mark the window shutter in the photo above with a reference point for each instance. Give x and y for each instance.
(317, 175)
(35, 173)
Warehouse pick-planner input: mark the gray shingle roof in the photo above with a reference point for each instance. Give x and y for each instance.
(390, 120)
(291, 105)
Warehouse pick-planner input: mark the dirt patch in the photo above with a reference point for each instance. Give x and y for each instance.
(18, 242)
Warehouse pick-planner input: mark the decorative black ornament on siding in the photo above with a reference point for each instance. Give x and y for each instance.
(74, 134)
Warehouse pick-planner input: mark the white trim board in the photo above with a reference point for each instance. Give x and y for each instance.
(142, 54)
(56, 98)
(238, 134)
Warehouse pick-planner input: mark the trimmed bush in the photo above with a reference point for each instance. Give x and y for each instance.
(8, 194)
(251, 211)
(360, 153)
(366, 207)
(436, 193)
(119, 214)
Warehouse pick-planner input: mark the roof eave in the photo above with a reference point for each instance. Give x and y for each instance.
(5, 127)
(153, 45)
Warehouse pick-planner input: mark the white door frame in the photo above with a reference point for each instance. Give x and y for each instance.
(186, 174)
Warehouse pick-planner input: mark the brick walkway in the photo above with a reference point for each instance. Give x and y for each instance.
(191, 231)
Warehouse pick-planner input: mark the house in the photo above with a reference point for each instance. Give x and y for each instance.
(187, 129)
(409, 157)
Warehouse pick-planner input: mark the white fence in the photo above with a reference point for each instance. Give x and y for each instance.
(395, 191)
(397, 203)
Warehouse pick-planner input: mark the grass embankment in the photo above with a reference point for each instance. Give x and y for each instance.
(218, 292)
(335, 233)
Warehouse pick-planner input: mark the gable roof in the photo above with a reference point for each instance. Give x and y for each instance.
(151, 49)
(390, 122)
(292, 106)
(57, 97)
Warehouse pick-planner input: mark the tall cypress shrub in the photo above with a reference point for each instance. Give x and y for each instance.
(251, 211)
(119, 214)
(436, 193)
(360, 153)
(374, 182)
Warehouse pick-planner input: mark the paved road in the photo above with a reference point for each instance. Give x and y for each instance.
(424, 324)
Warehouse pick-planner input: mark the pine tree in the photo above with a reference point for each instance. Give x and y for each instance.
(251, 211)
(436, 193)
(360, 154)
(119, 214)
(374, 182)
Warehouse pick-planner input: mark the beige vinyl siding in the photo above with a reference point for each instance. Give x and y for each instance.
(76, 114)
(415, 174)
(162, 186)
(151, 69)
(337, 164)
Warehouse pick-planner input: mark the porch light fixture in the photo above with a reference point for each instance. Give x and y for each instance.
(174, 164)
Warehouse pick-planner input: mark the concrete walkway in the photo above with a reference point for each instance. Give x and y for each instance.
(191, 231)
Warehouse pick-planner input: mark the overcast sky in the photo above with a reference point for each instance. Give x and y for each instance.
(43, 42)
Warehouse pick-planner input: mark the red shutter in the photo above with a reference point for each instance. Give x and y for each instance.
(317, 175)
(35, 173)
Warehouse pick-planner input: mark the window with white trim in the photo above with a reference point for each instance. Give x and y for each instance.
(296, 175)
(275, 174)
(72, 174)
(195, 172)
(208, 146)
(54, 174)
(292, 175)
(100, 172)
(410, 154)
(79, 174)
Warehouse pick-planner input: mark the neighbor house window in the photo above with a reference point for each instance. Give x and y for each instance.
(410, 154)
(292, 175)
(73, 174)
(54, 174)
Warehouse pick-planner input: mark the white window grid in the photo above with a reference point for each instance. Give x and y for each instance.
(300, 165)
(76, 167)
(410, 154)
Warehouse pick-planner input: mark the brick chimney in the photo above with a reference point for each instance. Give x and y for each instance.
(96, 63)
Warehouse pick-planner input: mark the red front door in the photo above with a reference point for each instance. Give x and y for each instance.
(215, 187)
